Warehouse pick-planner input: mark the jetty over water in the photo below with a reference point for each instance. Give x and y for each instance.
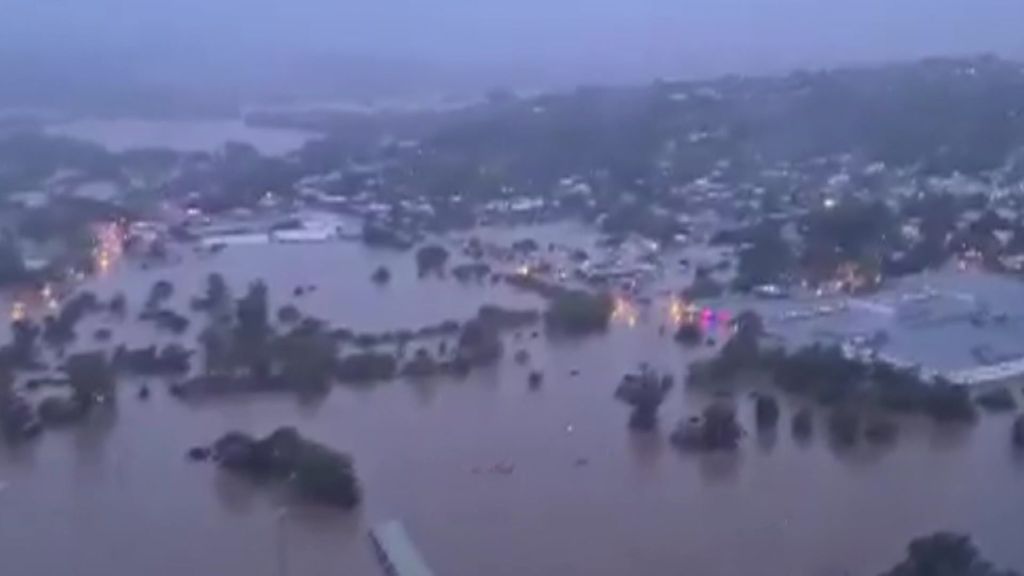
(396, 552)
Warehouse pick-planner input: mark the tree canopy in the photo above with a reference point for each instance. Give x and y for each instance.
(945, 554)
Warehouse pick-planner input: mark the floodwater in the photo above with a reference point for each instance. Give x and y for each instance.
(586, 496)
(120, 134)
(943, 321)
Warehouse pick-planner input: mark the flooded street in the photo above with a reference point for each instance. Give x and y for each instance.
(585, 495)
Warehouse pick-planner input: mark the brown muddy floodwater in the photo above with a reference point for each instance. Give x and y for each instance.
(118, 497)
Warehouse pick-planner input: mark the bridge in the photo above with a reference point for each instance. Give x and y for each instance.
(396, 552)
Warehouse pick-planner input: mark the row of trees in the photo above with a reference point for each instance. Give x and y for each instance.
(239, 341)
(825, 375)
(859, 241)
(570, 312)
(91, 381)
(241, 344)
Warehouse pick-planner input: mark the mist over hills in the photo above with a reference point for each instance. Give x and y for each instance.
(202, 57)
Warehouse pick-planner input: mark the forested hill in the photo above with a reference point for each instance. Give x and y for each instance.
(939, 115)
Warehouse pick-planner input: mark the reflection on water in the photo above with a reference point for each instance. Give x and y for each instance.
(951, 437)
(110, 238)
(107, 251)
(766, 439)
(719, 467)
(586, 495)
(647, 448)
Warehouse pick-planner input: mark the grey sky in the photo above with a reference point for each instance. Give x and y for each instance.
(567, 40)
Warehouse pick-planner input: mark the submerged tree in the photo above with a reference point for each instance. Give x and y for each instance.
(644, 392)
(216, 298)
(172, 359)
(744, 345)
(159, 293)
(307, 356)
(576, 312)
(721, 430)
(118, 304)
(12, 265)
(366, 367)
(689, 333)
(881, 431)
(1018, 431)
(844, 425)
(715, 429)
(996, 400)
(59, 330)
(766, 411)
(91, 378)
(288, 314)
(23, 349)
(431, 259)
(252, 330)
(17, 419)
(803, 424)
(381, 276)
(216, 343)
(479, 343)
(945, 554)
(315, 471)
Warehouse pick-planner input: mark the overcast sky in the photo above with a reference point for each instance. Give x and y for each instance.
(571, 40)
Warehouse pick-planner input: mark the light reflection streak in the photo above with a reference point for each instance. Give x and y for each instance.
(107, 251)
(109, 248)
(624, 311)
(18, 311)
